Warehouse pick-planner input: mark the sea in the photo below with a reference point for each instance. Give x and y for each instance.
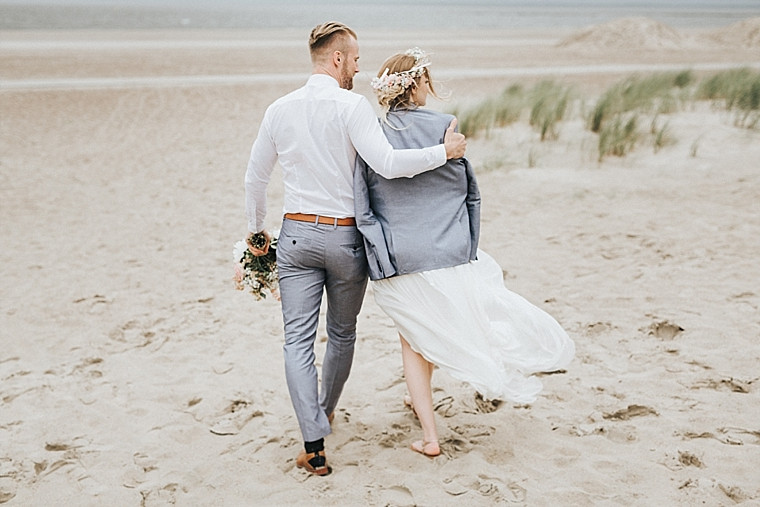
(364, 14)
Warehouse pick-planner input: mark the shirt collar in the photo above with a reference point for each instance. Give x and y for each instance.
(323, 80)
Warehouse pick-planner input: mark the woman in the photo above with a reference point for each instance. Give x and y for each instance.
(446, 297)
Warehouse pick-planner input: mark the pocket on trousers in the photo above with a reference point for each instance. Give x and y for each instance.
(290, 245)
(289, 235)
(353, 260)
(354, 250)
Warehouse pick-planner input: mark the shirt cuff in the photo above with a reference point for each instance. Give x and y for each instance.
(440, 154)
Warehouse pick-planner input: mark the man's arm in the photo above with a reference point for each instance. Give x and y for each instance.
(372, 145)
(260, 165)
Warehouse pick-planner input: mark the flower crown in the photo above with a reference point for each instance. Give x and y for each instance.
(388, 86)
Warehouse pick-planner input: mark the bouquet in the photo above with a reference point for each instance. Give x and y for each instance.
(257, 274)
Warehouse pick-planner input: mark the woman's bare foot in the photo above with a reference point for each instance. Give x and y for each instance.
(429, 449)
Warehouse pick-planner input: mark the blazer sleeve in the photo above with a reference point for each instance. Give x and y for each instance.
(375, 246)
(473, 208)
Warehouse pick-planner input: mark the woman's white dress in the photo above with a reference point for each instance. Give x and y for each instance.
(464, 320)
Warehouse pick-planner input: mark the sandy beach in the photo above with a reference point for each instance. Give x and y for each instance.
(132, 372)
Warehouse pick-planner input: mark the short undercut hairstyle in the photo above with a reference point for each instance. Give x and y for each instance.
(323, 35)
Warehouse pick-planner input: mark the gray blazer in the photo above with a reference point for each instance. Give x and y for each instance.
(430, 221)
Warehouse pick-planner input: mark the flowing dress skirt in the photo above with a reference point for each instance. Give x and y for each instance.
(465, 321)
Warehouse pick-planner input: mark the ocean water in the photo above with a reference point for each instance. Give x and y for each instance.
(363, 14)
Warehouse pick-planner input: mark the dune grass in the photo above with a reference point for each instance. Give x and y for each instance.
(492, 113)
(619, 113)
(548, 103)
(661, 135)
(618, 136)
(658, 93)
(736, 90)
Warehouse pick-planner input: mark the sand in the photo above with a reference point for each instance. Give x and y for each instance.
(132, 372)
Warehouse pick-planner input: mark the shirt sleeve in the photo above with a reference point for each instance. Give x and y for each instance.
(257, 175)
(372, 145)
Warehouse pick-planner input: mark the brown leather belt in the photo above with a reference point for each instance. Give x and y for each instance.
(304, 217)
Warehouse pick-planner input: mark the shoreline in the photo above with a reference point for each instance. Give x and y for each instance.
(559, 71)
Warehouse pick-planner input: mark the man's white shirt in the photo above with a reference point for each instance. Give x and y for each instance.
(315, 133)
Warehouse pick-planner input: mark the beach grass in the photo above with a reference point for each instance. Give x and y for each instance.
(618, 136)
(618, 114)
(493, 112)
(657, 93)
(661, 134)
(735, 90)
(549, 102)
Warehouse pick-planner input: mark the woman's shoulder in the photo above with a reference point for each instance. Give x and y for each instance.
(429, 120)
(431, 115)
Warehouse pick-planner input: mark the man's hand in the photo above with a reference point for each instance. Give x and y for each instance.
(454, 142)
(255, 246)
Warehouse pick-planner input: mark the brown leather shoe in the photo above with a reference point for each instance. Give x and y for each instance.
(302, 461)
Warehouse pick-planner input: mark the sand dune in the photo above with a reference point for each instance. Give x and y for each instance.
(628, 33)
(647, 34)
(745, 34)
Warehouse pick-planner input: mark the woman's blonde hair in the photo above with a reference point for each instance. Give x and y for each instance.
(398, 77)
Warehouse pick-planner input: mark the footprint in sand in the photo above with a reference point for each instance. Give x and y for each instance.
(598, 328)
(133, 334)
(7, 493)
(705, 487)
(89, 366)
(681, 460)
(736, 493)
(630, 412)
(745, 297)
(161, 495)
(234, 418)
(474, 433)
(486, 406)
(95, 303)
(727, 435)
(663, 330)
(9, 472)
(465, 438)
(491, 487)
(445, 407)
(138, 474)
(620, 434)
(740, 436)
(725, 384)
(393, 436)
(390, 495)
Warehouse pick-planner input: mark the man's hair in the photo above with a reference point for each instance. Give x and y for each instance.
(323, 35)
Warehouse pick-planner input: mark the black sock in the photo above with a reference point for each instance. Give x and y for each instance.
(317, 445)
(313, 447)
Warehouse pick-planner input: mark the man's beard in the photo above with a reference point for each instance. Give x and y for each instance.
(346, 79)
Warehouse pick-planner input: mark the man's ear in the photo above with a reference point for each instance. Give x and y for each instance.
(337, 56)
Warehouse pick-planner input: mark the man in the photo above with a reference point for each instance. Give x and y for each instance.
(315, 133)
